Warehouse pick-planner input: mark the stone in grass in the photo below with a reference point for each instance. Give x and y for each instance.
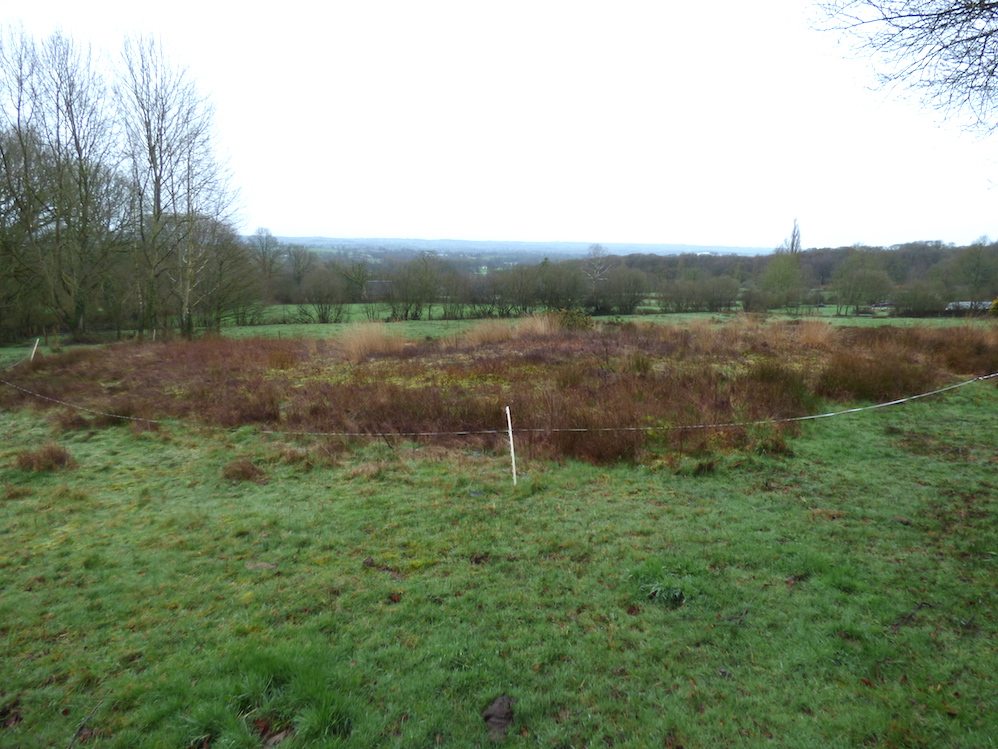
(499, 716)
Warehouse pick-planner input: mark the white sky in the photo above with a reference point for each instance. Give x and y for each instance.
(643, 121)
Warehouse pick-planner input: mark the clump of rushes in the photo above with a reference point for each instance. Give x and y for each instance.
(364, 340)
(859, 375)
(50, 457)
(488, 331)
(243, 470)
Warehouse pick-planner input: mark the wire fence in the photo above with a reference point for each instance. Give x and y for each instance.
(15, 364)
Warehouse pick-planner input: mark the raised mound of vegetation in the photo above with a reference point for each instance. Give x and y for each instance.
(599, 393)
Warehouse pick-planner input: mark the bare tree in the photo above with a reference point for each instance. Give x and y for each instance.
(560, 285)
(85, 185)
(268, 253)
(414, 287)
(325, 295)
(515, 290)
(860, 280)
(974, 271)
(62, 195)
(596, 264)
(625, 288)
(24, 182)
(356, 274)
(946, 51)
(795, 246)
(791, 245)
(177, 178)
(229, 281)
(88, 197)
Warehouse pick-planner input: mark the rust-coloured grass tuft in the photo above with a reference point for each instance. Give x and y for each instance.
(50, 457)
(243, 470)
(364, 340)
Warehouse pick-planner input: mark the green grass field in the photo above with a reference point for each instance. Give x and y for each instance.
(190, 586)
(436, 328)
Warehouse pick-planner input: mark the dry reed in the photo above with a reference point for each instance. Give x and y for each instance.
(363, 340)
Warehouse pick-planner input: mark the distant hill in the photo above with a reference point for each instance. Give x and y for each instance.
(491, 248)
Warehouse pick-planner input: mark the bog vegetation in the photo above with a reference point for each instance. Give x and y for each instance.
(601, 393)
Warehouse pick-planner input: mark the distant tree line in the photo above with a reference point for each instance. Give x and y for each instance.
(918, 278)
(250, 276)
(116, 215)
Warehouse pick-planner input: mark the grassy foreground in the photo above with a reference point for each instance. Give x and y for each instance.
(840, 595)
(225, 584)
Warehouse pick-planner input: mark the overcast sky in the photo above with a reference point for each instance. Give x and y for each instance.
(648, 121)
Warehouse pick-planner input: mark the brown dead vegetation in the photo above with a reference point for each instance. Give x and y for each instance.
(602, 394)
(50, 457)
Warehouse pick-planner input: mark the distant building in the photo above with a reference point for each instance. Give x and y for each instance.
(968, 306)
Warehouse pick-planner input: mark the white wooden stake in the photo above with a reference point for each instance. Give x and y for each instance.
(512, 451)
(35, 349)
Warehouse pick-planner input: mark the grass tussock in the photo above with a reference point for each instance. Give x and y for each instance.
(492, 332)
(242, 470)
(68, 420)
(489, 332)
(12, 492)
(532, 327)
(48, 458)
(364, 340)
(540, 326)
(815, 334)
(324, 453)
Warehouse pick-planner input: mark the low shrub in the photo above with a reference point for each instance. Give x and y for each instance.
(114, 412)
(252, 400)
(771, 388)
(967, 349)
